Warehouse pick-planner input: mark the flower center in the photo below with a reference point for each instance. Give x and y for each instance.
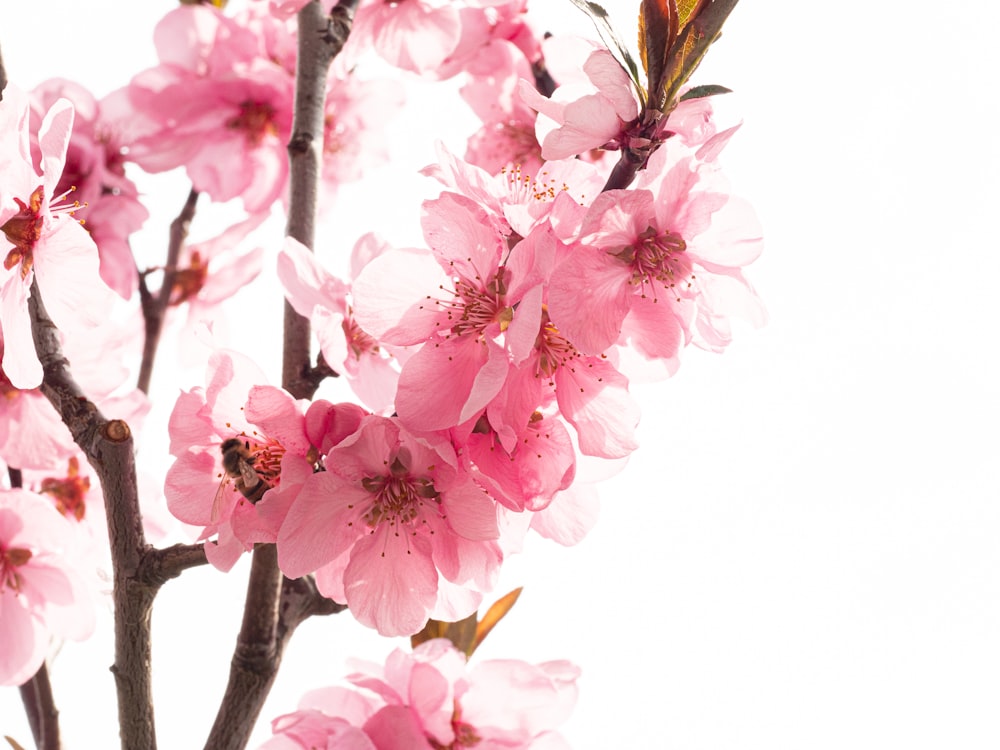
(554, 350)
(398, 497)
(359, 341)
(267, 459)
(11, 559)
(476, 307)
(25, 228)
(70, 492)
(658, 259)
(256, 120)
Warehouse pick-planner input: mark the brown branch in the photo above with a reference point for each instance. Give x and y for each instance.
(154, 307)
(160, 565)
(43, 717)
(263, 633)
(108, 447)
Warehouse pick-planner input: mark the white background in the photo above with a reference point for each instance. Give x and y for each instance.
(804, 553)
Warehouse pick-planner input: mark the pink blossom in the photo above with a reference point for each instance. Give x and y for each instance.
(430, 699)
(95, 171)
(32, 435)
(662, 257)
(236, 404)
(211, 271)
(585, 118)
(539, 462)
(42, 240)
(328, 718)
(41, 593)
(222, 95)
(370, 366)
(416, 35)
(507, 137)
(391, 515)
(355, 118)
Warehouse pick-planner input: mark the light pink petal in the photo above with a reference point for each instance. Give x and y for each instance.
(186, 429)
(396, 728)
(20, 363)
(589, 123)
(307, 284)
(617, 218)
(24, 641)
(415, 36)
(445, 383)
(67, 267)
(589, 298)
(463, 236)
(226, 550)
(735, 238)
(279, 417)
(613, 82)
(470, 512)
(654, 328)
(569, 517)
(190, 487)
(548, 107)
(395, 296)
(594, 398)
(53, 139)
(391, 582)
(316, 529)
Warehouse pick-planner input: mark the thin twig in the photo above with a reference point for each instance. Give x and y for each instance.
(264, 632)
(154, 307)
(109, 449)
(39, 704)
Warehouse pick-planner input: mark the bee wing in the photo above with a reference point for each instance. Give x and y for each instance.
(222, 497)
(217, 503)
(248, 475)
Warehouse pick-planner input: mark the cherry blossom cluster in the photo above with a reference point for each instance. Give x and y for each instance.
(429, 699)
(487, 363)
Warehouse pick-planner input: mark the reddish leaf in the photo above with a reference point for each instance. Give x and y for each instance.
(657, 32)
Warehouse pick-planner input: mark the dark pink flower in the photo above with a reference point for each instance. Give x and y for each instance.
(236, 404)
(392, 514)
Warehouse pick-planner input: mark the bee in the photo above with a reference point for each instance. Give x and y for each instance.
(237, 461)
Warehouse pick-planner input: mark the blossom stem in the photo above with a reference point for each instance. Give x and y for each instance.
(269, 617)
(154, 308)
(39, 705)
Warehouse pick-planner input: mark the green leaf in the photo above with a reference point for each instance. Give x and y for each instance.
(699, 92)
